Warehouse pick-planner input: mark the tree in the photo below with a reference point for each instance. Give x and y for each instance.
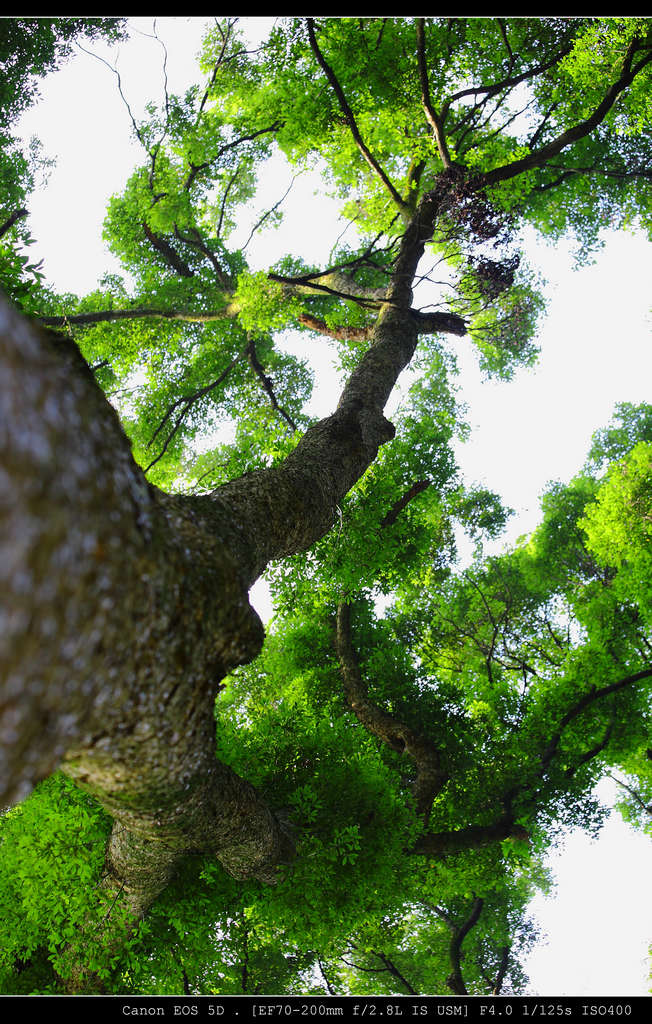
(401, 772)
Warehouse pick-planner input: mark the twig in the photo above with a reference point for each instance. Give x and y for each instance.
(259, 370)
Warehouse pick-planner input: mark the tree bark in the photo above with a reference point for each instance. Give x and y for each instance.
(455, 980)
(121, 611)
(438, 845)
(123, 607)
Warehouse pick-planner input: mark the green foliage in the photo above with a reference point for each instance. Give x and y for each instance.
(52, 854)
(631, 424)
(503, 331)
(518, 668)
(32, 47)
(619, 527)
(619, 524)
(262, 303)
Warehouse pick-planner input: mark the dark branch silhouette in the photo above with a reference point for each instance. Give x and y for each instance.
(10, 221)
(259, 370)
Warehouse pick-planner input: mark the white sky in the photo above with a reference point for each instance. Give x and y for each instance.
(595, 352)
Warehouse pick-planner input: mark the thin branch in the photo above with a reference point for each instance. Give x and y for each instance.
(455, 980)
(633, 793)
(329, 988)
(503, 32)
(187, 989)
(257, 367)
(538, 157)
(10, 221)
(218, 63)
(230, 183)
(366, 970)
(137, 313)
(425, 322)
(497, 131)
(222, 60)
(171, 257)
(380, 34)
(644, 173)
(312, 285)
(350, 119)
(362, 259)
(433, 119)
(502, 970)
(195, 169)
(403, 501)
(589, 755)
(589, 698)
(195, 240)
(268, 213)
(469, 120)
(394, 971)
(560, 643)
(154, 35)
(187, 401)
(506, 83)
(541, 127)
(431, 777)
(440, 912)
(115, 71)
(245, 958)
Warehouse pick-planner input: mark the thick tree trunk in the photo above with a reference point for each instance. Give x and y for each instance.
(123, 607)
(121, 611)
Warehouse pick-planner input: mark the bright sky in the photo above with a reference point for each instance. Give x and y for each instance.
(595, 352)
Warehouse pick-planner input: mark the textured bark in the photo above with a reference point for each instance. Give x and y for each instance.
(121, 611)
(123, 607)
(65, 464)
(285, 509)
(426, 323)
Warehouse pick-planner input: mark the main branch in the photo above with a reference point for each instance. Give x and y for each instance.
(396, 734)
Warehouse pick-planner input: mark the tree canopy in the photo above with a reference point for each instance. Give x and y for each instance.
(361, 803)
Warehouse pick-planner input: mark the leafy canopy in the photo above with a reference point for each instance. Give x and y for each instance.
(516, 682)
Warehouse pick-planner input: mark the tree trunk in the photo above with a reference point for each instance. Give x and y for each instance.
(121, 611)
(123, 607)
